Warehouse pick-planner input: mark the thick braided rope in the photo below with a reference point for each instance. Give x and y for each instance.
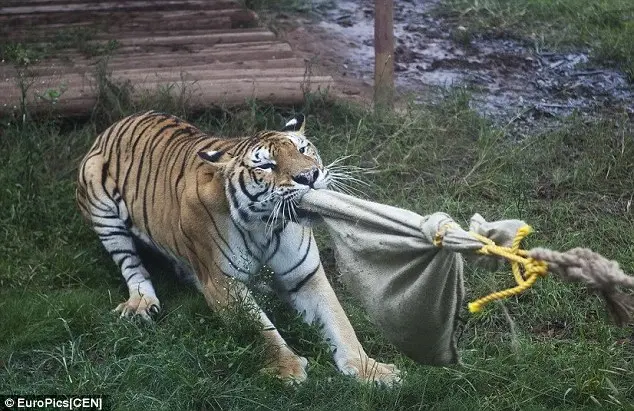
(599, 274)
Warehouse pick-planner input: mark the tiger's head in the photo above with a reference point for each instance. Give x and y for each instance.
(267, 174)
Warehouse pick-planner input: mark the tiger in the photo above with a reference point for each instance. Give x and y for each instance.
(220, 209)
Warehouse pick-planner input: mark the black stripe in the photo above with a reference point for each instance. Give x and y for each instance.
(173, 151)
(117, 130)
(169, 143)
(232, 195)
(116, 143)
(120, 252)
(127, 280)
(277, 246)
(181, 172)
(99, 225)
(305, 280)
(213, 221)
(97, 206)
(104, 176)
(243, 186)
(244, 239)
(122, 233)
(146, 204)
(108, 216)
(137, 140)
(303, 237)
(300, 261)
(132, 266)
(104, 138)
(83, 206)
(142, 121)
(193, 251)
(122, 261)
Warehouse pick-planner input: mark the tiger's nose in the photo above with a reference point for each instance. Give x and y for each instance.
(307, 177)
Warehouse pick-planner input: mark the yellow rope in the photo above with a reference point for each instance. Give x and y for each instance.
(532, 269)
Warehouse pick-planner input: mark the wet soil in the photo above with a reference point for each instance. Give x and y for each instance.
(509, 81)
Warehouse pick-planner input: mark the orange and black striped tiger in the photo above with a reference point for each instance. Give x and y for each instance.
(220, 209)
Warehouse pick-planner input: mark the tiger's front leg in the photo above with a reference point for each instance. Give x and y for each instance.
(302, 282)
(221, 291)
(281, 361)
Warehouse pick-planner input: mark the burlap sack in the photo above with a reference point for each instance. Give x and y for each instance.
(411, 288)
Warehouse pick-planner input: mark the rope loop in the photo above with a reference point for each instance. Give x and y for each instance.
(582, 265)
(525, 269)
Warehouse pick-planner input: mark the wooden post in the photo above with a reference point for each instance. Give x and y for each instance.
(384, 54)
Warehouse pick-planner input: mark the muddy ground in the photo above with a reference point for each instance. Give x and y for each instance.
(509, 81)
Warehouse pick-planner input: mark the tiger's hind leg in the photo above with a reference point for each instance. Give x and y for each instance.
(105, 208)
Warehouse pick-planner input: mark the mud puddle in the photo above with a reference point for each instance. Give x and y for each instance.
(508, 81)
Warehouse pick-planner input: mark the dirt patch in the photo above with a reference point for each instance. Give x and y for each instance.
(509, 81)
(552, 330)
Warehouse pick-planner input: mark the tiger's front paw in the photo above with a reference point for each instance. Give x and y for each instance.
(144, 306)
(290, 368)
(367, 369)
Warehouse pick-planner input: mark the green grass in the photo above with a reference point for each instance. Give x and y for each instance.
(604, 26)
(550, 348)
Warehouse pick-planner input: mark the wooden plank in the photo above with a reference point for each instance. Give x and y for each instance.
(35, 3)
(199, 74)
(139, 51)
(205, 56)
(60, 68)
(120, 29)
(111, 6)
(210, 55)
(121, 33)
(186, 42)
(238, 17)
(79, 81)
(74, 80)
(202, 94)
(233, 36)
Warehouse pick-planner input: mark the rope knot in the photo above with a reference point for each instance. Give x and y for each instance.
(525, 269)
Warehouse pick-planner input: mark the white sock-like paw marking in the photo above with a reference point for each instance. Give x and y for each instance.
(366, 369)
(144, 306)
(291, 369)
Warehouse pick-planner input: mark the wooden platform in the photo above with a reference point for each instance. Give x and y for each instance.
(212, 49)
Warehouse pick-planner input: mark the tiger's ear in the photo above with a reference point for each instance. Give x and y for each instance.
(297, 123)
(216, 157)
(211, 156)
